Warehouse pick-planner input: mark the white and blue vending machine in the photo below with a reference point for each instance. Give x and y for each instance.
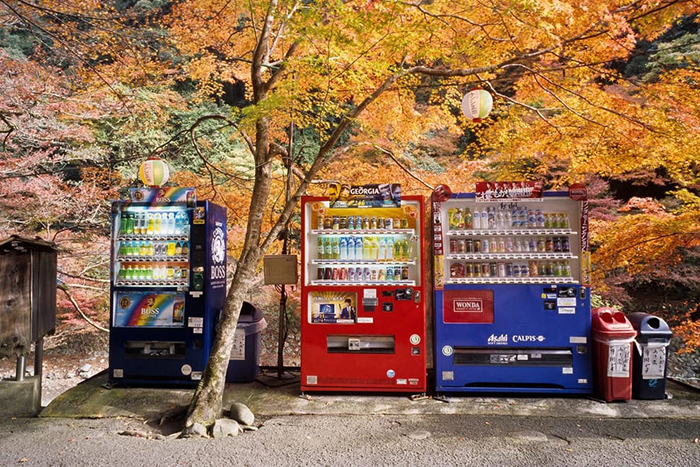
(168, 286)
(511, 291)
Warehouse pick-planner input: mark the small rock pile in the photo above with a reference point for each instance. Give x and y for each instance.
(240, 419)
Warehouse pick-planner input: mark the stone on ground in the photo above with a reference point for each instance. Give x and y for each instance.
(242, 414)
(224, 427)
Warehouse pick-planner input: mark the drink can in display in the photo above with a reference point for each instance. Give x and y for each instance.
(351, 222)
(351, 274)
(557, 244)
(468, 246)
(380, 223)
(477, 269)
(343, 224)
(358, 274)
(461, 246)
(485, 270)
(501, 246)
(533, 245)
(343, 274)
(365, 223)
(404, 273)
(404, 222)
(457, 270)
(381, 275)
(336, 223)
(397, 273)
(532, 268)
(367, 274)
(321, 273)
(373, 275)
(453, 246)
(319, 221)
(541, 245)
(501, 270)
(493, 270)
(469, 270)
(389, 274)
(388, 223)
(335, 274)
(477, 246)
(327, 223)
(328, 274)
(358, 222)
(541, 268)
(509, 269)
(373, 223)
(485, 246)
(565, 245)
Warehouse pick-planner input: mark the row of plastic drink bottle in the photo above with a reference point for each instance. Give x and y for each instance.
(367, 248)
(516, 217)
(150, 223)
(160, 249)
(152, 273)
(531, 269)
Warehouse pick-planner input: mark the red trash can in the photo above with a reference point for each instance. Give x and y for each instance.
(613, 338)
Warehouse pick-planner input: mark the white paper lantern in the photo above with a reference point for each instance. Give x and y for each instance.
(477, 104)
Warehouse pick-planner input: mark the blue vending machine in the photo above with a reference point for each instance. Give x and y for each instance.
(168, 286)
(512, 300)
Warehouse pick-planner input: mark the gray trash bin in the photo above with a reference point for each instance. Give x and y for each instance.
(244, 362)
(649, 361)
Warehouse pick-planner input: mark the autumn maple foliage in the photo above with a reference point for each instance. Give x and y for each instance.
(249, 99)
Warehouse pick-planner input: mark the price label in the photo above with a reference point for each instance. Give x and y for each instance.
(619, 360)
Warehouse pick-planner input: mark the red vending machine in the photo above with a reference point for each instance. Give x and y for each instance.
(363, 298)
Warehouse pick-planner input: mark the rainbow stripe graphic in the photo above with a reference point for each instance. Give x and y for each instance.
(143, 309)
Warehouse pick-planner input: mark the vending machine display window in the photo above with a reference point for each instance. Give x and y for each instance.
(363, 296)
(511, 290)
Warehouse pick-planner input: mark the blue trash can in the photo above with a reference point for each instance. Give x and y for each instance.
(649, 362)
(244, 361)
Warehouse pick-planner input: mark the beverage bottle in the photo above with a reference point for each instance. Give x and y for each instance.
(350, 248)
(327, 248)
(122, 249)
(491, 216)
(142, 248)
(381, 275)
(389, 249)
(476, 219)
(171, 249)
(148, 273)
(122, 223)
(169, 273)
(518, 246)
(170, 224)
(358, 248)
(540, 218)
(178, 249)
(501, 219)
(129, 225)
(381, 249)
(158, 224)
(509, 245)
(501, 246)
(149, 249)
(567, 269)
(335, 248)
(389, 274)
(320, 251)
(374, 254)
(137, 223)
(508, 221)
(143, 226)
(185, 248)
(179, 224)
(343, 248)
(485, 246)
(468, 219)
(526, 246)
(397, 250)
(128, 273)
(541, 246)
(150, 224)
(366, 248)
(531, 219)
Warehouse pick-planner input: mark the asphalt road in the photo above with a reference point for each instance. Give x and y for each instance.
(374, 440)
